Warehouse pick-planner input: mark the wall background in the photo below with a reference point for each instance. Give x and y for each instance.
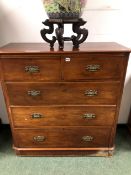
(107, 20)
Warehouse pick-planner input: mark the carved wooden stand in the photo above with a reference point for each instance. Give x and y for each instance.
(76, 24)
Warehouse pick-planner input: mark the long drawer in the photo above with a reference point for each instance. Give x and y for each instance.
(92, 93)
(32, 68)
(93, 66)
(63, 137)
(36, 117)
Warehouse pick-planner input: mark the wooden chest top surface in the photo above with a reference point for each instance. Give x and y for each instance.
(44, 48)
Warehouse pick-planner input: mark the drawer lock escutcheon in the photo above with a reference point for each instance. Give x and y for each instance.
(67, 59)
(93, 68)
(33, 93)
(91, 93)
(87, 138)
(39, 138)
(32, 69)
(36, 116)
(89, 116)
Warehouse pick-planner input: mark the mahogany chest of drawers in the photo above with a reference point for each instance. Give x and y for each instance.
(63, 102)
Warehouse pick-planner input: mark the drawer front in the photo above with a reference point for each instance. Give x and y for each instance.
(62, 93)
(91, 66)
(42, 69)
(61, 116)
(64, 137)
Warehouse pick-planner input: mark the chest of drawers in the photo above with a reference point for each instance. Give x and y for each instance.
(63, 102)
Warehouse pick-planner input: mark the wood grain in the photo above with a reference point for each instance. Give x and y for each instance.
(62, 116)
(77, 68)
(49, 68)
(43, 48)
(63, 93)
(56, 137)
(90, 152)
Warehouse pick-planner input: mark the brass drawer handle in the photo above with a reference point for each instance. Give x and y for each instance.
(32, 69)
(91, 93)
(93, 68)
(39, 138)
(89, 116)
(87, 138)
(33, 93)
(36, 116)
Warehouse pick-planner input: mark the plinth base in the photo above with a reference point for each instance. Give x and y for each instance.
(99, 152)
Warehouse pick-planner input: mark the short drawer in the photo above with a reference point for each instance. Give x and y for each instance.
(35, 94)
(31, 69)
(37, 117)
(62, 137)
(93, 66)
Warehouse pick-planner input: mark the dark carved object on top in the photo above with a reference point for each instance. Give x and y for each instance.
(48, 31)
(59, 31)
